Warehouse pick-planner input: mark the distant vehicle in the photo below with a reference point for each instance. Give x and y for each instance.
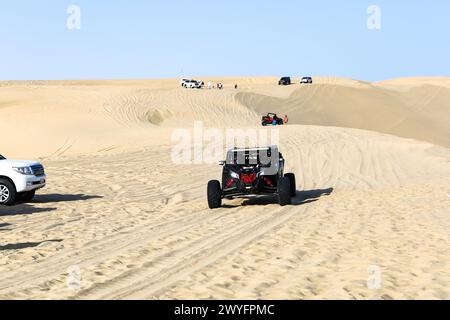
(183, 81)
(270, 119)
(191, 84)
(306, 80)
(258, 171)
(285, 81)
(20, 179)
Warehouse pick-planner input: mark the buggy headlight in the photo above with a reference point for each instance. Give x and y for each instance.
(24, 170)
(234, 175)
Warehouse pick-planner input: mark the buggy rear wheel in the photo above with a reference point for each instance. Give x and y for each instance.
(284, 191)
(214, 194)
(293, 188)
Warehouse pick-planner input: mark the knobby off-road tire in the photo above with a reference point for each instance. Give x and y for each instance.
(291, 178)
(284, 192)
(214, 194)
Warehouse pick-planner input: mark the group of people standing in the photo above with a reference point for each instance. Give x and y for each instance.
(218, 85)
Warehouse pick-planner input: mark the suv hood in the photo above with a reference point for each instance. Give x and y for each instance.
(17, 163)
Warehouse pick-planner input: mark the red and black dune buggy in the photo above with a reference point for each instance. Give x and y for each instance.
(272, 120)
(252, 172)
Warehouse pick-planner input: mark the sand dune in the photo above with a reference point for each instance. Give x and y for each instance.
(90, 116)
(420, 113)
(138, 226)
(405, 84)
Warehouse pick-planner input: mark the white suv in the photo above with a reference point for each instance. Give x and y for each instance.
(191, 84)
(306, 80)
(183, 82)
(20, 179)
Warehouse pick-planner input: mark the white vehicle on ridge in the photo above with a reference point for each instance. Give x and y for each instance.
(19, 179)
(184, 81)
(191, 84)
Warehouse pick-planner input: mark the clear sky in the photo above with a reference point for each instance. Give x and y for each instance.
(168, 38)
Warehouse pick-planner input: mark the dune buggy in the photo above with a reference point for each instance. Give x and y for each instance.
(248, 172)
(271, 119)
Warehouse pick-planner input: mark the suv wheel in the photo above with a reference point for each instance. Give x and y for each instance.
(291, 178)
(7, 192)
(214, 194)
(284, 191)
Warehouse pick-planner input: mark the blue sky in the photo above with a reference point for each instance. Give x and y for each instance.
(159, 39)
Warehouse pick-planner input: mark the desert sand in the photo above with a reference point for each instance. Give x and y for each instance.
(373, 176)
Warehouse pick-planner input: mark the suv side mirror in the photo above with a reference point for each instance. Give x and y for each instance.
(222, 163)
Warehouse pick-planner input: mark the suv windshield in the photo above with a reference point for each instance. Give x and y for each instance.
(2, 157)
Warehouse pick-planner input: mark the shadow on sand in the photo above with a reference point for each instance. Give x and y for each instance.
(302, 197)
(55, 198)
(3, 226)
(20, 246)
(309, 196)
(22, 208)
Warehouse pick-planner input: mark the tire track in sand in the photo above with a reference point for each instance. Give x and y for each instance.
(150, 281)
